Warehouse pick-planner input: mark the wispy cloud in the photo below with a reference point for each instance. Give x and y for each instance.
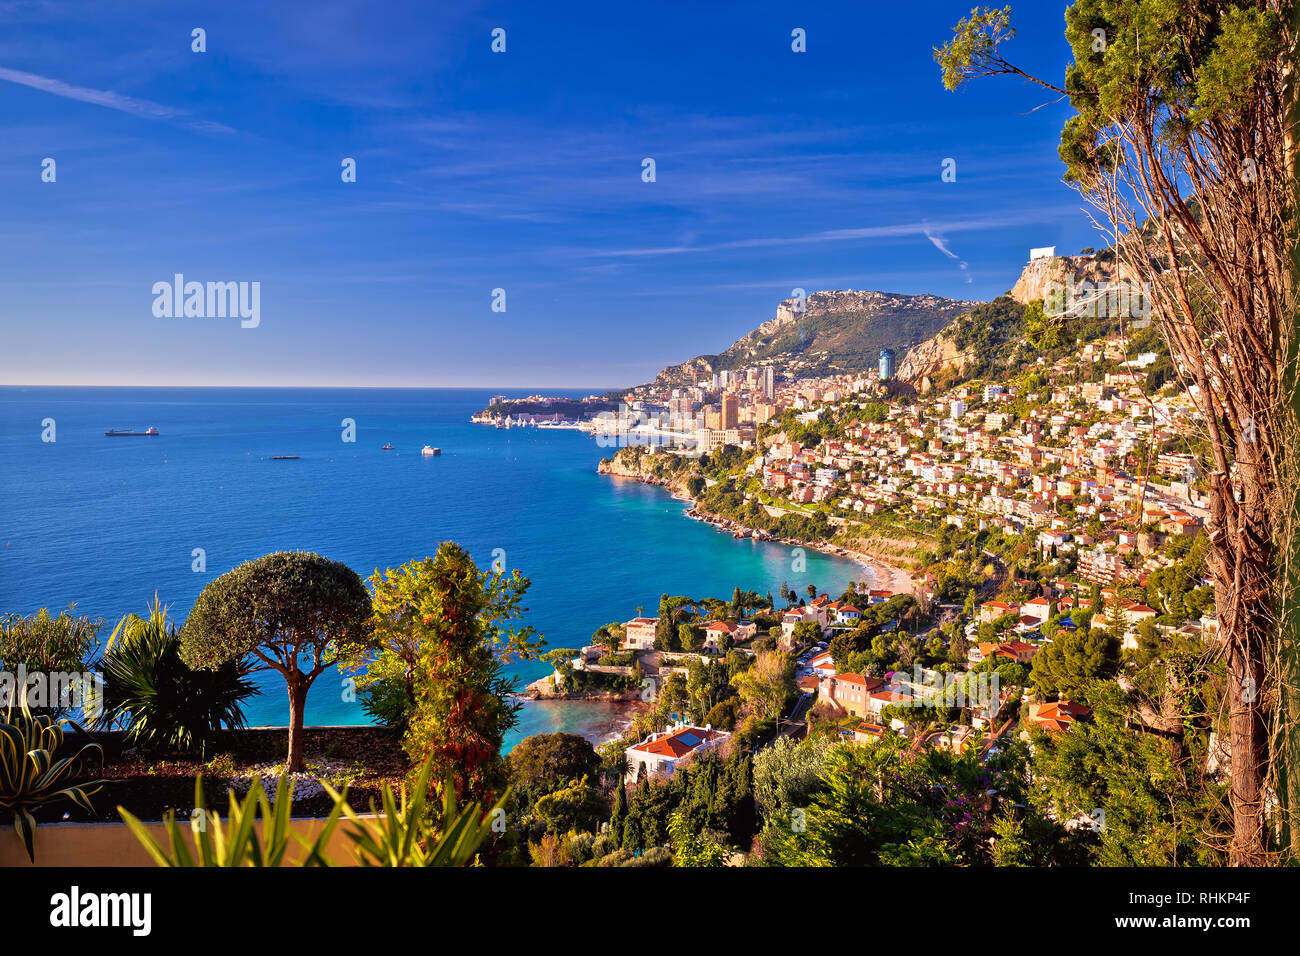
(145, 109)
(940, 243)
(896, 231)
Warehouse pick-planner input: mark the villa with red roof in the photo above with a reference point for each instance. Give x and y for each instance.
(714, 631)
(1021, 652)
(1135, 614)
(990, 611)
(1039, 608)
(847, 614)
(878, 700)
(640, 633)
(823, 665)
(850, 691)
(1057, 716)
(815, 613)
(661, 753)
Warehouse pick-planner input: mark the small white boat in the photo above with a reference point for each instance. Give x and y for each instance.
(430, 450)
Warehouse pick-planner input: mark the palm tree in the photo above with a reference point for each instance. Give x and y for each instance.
(152, 692)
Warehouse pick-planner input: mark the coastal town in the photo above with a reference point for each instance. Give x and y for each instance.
(1015, 676)
(797, 438)
(1011, 518)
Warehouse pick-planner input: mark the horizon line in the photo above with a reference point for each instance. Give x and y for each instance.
(407, 387)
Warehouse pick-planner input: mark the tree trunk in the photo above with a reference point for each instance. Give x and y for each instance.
(1242, 564)
(1288, 770)
(297, 704)
(1248, 735)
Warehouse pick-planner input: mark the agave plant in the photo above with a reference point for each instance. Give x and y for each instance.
(403, 837)
(236, 842)
(163, 704)
(32, 774)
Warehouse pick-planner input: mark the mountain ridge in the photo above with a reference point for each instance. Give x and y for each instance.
(829, 331)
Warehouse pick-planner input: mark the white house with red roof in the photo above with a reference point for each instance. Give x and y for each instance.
(1056, 716)
(990, 611)
(640, 633)
(661, 753)
(878, 700)
(799, 615)
(823, 665)
(847, 615)
(1039, 608)
(1020, 652)
(866, 732)
(715, 630)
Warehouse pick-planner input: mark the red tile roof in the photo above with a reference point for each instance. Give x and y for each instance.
(679, 743)
(866, 683)
(1059, 715)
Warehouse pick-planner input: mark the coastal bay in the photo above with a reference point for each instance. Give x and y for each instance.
(106, 524)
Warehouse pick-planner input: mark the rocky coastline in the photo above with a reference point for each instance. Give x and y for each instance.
(541, 689)
(883, 574)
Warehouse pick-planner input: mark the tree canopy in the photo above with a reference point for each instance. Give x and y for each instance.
(296, 612)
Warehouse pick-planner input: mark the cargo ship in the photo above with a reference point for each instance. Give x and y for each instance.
(430, 450)
(125, 433)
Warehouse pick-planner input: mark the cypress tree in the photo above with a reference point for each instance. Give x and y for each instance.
(616, 822)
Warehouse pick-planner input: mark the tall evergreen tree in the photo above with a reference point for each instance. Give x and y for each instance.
(619, 817)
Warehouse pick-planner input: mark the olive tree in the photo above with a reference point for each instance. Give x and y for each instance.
(295, 612)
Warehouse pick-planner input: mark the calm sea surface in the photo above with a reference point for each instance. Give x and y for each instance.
(107, 522)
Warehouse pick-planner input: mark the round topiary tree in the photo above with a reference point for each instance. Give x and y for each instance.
(295, 612)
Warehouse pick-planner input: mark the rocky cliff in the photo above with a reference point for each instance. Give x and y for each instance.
(666, 471)
(928, 359)
(940, 351)
(829, 331)
(1059, 270)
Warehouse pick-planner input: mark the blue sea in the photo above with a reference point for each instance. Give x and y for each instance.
(106, 523)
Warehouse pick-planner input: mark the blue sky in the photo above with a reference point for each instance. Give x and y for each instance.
(478, 170)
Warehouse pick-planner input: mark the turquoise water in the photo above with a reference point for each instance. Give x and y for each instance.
(107, 522)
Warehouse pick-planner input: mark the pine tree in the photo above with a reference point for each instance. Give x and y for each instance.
(617, 821)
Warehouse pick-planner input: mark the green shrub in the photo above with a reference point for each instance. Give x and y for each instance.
(161, 701)
(45, 644)
(222, 765)
(655, 856)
